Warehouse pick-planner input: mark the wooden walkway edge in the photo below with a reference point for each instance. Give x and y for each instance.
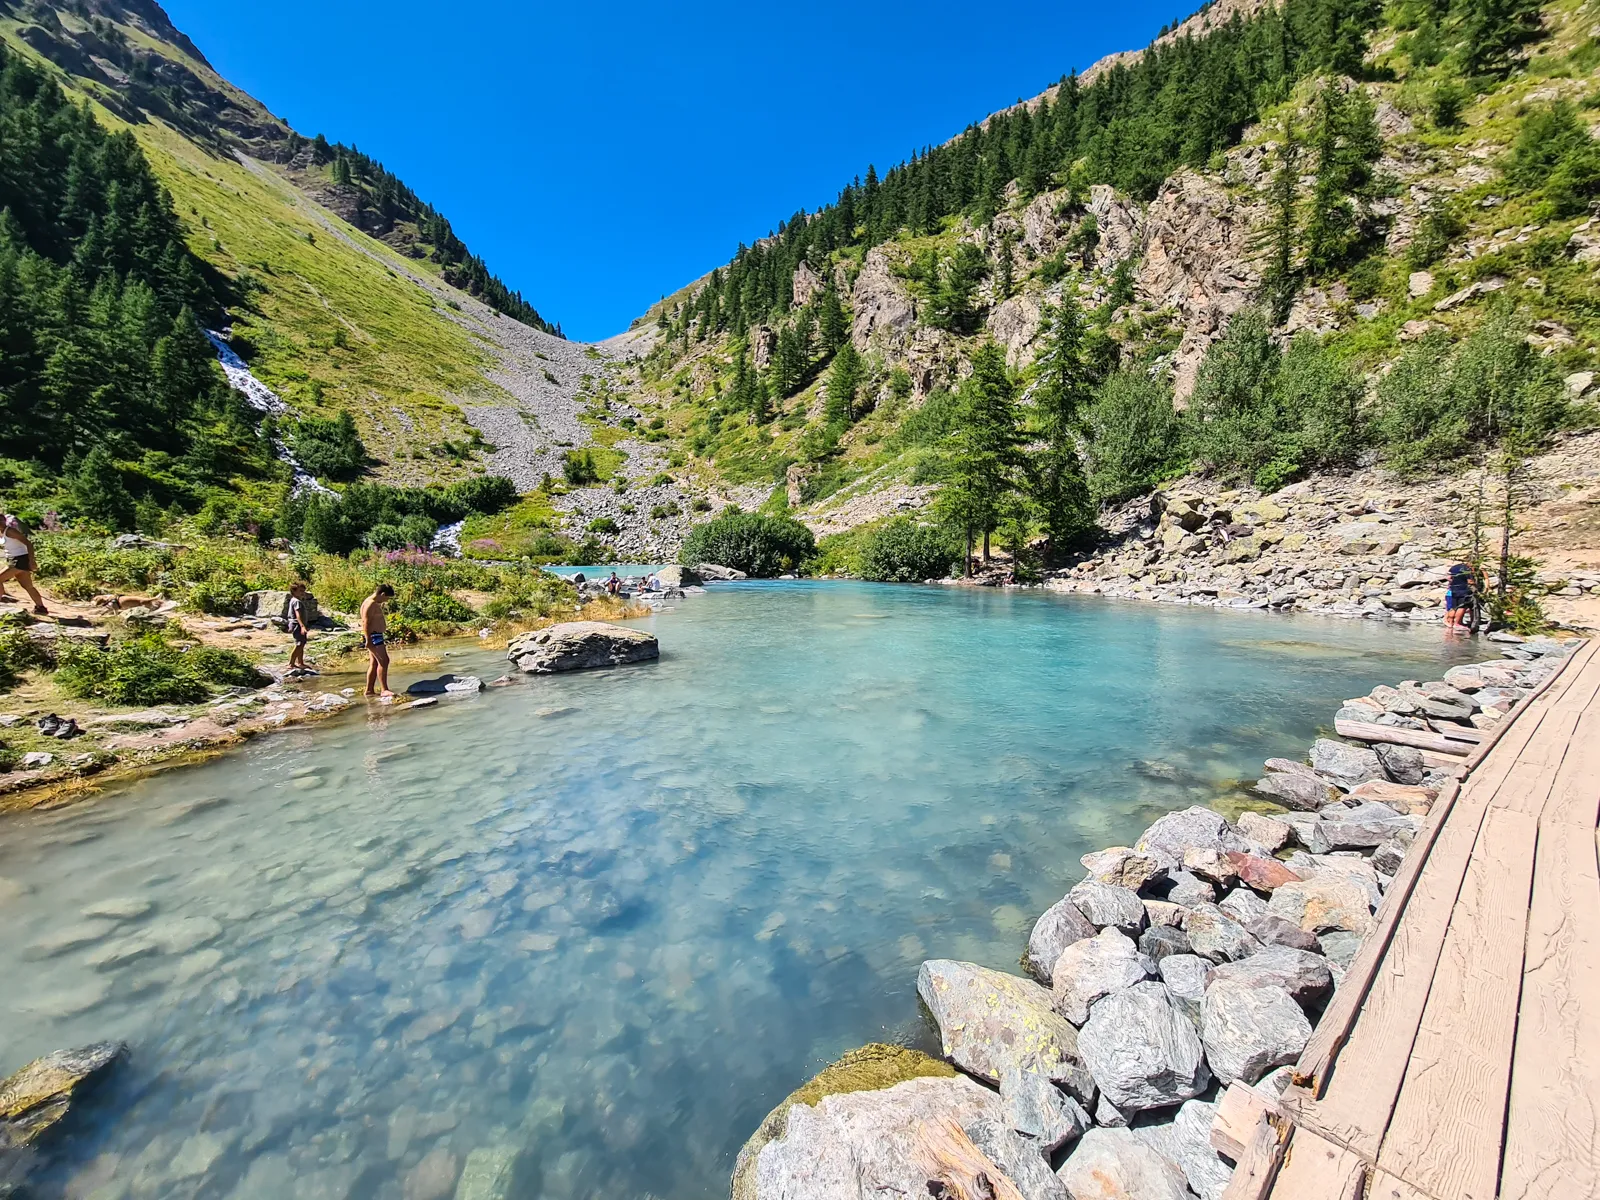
(1460, 1058)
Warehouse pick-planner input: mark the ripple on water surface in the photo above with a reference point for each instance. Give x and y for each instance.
(596, 925)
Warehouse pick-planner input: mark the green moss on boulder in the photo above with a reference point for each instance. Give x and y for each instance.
(866, 1069)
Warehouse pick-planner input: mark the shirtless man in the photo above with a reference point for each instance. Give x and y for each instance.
(18, 550)
(374, 627)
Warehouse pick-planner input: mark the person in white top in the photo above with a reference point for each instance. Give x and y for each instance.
(18, 549)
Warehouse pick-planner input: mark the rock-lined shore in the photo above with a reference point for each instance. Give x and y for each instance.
(1198, 957)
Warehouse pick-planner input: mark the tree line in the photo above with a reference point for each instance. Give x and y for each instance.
(384, 197)
(105, 374)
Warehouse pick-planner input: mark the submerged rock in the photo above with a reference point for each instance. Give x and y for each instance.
(446, 685)
(1345, 764)
(1304, 793)
(853, 1130)
(1115, 1164)
(37, 1097)
(989, 1021)
(581, 645)
(1143, 1052)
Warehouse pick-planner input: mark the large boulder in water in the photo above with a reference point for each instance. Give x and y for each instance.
(853, 1130)
(714, 572)
(40, 1095)
(990, 1021)
(579, 646)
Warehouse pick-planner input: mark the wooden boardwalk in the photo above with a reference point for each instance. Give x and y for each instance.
(1461, 1058)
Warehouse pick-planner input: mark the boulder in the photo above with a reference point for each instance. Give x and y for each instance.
(1262, 874)
(1273, 930)
(1323, 902)
(714, 573)
(1185, 1142)
(1344, 866)
(1211, 865)
(854, 1129)
(1340, 947)
(581, 645)
(40, 1095)
(274, 606)
(1243, 905)
(446, 685)
(1403, 798)
(989, 1021)
(1159, 941)
(1248, 1029)
(1060, 926)
(1367, 824)
(1105, 905)
(1403, 764)
(1142, 1051)
(1185, 977)
(1164, 912)
(677, 577)
(1193, 828)
(1115, 1164)
(1267, 832)
(1217, 936)
(1020, 1159)
(1304, 793)
(1121, 867)
(1345, 764)
(1302, 974)
(1036, 1108)
(1388, 857)
(1188, 890)
(1093, 968)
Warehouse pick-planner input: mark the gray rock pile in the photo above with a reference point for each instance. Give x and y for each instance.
(1200, 956)
(1361, 546)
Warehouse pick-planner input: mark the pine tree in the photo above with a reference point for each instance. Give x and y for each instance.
(1063, 390)
(1347, 144)
(843, 382)
(1493, 33)
(1280, 282)
(833, 326)
(98, 493)
(987, 449)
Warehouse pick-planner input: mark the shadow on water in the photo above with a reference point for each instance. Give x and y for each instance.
(600, 924)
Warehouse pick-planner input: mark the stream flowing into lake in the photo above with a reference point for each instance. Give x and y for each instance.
(600, 923)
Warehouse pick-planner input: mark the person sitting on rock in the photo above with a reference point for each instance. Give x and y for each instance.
(613, 585)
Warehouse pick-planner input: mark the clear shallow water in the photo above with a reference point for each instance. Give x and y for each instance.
(606, 921)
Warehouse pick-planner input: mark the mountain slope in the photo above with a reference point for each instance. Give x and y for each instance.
(327, 314)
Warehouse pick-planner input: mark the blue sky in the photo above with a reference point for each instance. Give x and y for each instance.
(599, 156)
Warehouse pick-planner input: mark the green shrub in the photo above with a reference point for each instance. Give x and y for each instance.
(1136, 437)
(226, 668)
(330, 449)
(486, 494)
(1554, 152)
(658, 511)
(577, 466)
(760, 546)
(98, 494)
(905, 552)
(144, 670)
(222, 595)
(603, 525)
(18, 653)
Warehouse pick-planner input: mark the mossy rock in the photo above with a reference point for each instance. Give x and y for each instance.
(1235, 804)
(872, 1067)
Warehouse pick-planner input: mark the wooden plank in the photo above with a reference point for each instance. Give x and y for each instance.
(1333, 1030)
(1257, 1168)
(1355, 1104)
(1446, 1130)
(1573, 663)
(1552, 1146)
(1239, 1111)
(1317, 1169)
(1384, 1186)
(1367, 731)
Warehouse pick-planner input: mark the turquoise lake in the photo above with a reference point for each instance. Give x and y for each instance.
(599, 924)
